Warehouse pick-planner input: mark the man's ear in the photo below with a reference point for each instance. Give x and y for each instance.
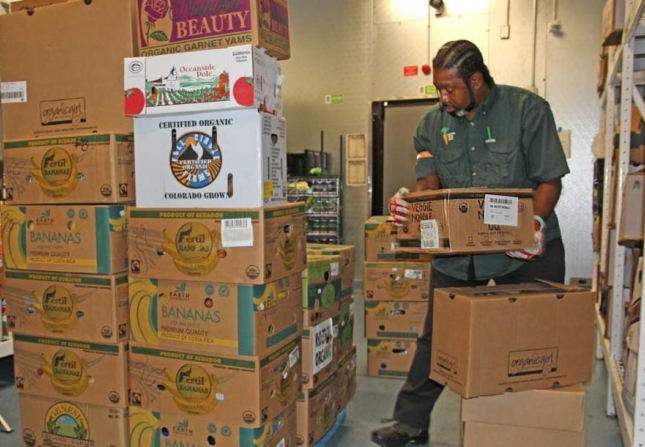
(476, 81)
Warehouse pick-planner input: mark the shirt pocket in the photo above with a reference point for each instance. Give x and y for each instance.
(452, 167)
(500, 164)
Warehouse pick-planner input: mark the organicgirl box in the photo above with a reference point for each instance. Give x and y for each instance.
(92, 373)
(252, 246)
(91, 308)
(95, 168)
(231, 78)
(185, 25)
(242, 391)
(223, 159)
(65, 238)
(221, 318)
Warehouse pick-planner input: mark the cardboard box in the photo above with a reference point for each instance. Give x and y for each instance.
(243, 391)
(89, 308)
(177, 430)
(397, 281)
(77, 169)
(346, 379)
(253, 246)
(230, 78)
(491, 435)
(229, 159)
(201, 316)
(23, 5)
(390, 359)
(347, 265)
(54, 94)
(469, 220)
(65, 238)
(553, 409)
(183, 26)
(344, 327)
(613, 21)
(321, 285)
(317, 410)
(636, 138)
(489, 340)
(59, 422)
(630, 230)
(91, 373)
(381, 243)
(319, 354)
(395, 319)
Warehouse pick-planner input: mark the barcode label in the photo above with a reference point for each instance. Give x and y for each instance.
(429, 234)
(237, 232)
(500, 210)
(13, 92)
(335, 268)
(413, 274)
(294, 356)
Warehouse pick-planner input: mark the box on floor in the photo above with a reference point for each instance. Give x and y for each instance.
(317, 410)
(390, 359)
(346, 379)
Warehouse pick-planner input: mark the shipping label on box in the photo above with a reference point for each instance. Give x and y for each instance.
(148, 428)
(395, 319)
(62, 238)
(234, 246)
(321, 285)
(529, 336)
(390, 359)
(469, 220)
(90, 308)
(346, 378)
(228, 159)
(317, 410)
(61, 423)
(243, 391)
(238, 77)
(182, 26)
(319, 359)
(347, 265)
(396, 280)
(217, 318)
(77, 169)
(381, 243)
(84, 372)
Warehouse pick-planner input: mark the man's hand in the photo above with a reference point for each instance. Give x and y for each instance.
(538, 238)
(399, 208)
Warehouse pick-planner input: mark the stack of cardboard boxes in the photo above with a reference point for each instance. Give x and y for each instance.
(68, 172)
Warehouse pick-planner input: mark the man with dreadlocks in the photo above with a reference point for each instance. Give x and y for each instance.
(479, 135)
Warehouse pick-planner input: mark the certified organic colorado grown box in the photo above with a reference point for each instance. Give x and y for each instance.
(203, 316)
(77, 169)
(253, 246)
(62, 238)
(223, 159)
(78, 307)
(232, 78)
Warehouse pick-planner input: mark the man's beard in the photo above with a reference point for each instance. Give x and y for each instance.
(471, 105)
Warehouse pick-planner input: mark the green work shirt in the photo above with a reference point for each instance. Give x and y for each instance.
(512, 142)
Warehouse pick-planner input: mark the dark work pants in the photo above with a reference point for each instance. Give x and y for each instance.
(419, 394)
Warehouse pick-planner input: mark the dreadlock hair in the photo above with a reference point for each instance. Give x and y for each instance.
(465, 57)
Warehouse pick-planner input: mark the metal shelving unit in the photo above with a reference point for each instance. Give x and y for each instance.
(323, 206)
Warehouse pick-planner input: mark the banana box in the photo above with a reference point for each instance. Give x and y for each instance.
(91, 308)
(202, 316)
(154, 429)
(68, 423)
(395, 319)
(392, 280)
(65, 238)
(222, 159)
(390, 359)
(235, 390)
(321, 285)
(252, 246)
(346, 379)
(95, 168)
(90, 373)
(319, 353)
(317, 410)
(347, 265)
(344, 326)
(381, 243)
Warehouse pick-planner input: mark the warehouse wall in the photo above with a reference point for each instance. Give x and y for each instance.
(358, 49)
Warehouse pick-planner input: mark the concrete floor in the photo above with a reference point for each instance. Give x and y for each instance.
(373, 402)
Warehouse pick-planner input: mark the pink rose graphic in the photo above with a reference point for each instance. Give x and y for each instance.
(156, 9)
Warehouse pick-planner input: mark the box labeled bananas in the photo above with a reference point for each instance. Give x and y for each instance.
(390, 359)
(347, 265)
(68, 423)
(65, 238)
(95, 168)
(321, 285)
(346, 378)
(90, 373)
(234, 390)
(381, 243)
(395, 319)
(319, 353)
(219, 318)
(396, 280)
(344, 323)
(148, 428)
(228, 159)
(317, 410)
(253, 246)
(92, 308)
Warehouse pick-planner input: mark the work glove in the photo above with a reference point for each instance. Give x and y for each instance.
(399, 208)
(538, 238)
